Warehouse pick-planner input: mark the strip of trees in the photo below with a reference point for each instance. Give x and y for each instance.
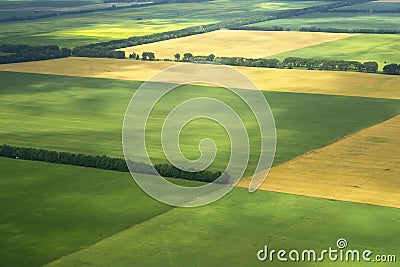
(288, 63)
(23, 53)
(319, 29)
(105, 162)
(355, 30)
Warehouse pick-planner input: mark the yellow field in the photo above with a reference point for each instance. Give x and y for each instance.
(364, 167)
(303, 81)
(228, 43)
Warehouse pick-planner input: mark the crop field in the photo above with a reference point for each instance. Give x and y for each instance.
(360, 47)
(334, 181)
(363, 167)
(386, 21)
(102, 217)
(66, 113)
(74, 30)
(296, 81)
(227, 43)
(232, 231)
(65, 208)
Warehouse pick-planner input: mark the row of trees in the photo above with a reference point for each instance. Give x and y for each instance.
(98, 53)
(87, 50)
(355, 30)
(371, 10)
(23, 53)
(392, 69)
(290, 62)
(104, 162)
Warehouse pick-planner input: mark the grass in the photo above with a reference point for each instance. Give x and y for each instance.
(77, 30)
(49, 210)
(231, 231)
(336, 20)
(85, 115)
(230, 43)
(361, 47)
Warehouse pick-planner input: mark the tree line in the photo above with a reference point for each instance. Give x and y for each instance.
(90, 50)
(288, 63)
(105, 162)
(363, 10)
(23, 53)
(355, 30)
(318, 29)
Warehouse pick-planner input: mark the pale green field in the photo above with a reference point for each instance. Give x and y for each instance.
(361, 47)
(336, 20)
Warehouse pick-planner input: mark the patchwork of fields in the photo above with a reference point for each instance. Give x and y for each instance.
(336, 172)
(75, 30)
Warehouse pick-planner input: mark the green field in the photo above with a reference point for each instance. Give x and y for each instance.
(361, 47)
(88, 28)
(49, 210)
(336, 20)
(85, 115)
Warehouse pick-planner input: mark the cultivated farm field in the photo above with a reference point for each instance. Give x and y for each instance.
(344, 20)
(359, 47)
(66, 113)
(75, 30)
(229, 43)
(335, 179)
(347, 169)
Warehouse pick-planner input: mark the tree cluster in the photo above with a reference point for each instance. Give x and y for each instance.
(23, 53)
(371, 10)
(98, 53)
(290, 63)
(148, 56)
(327, 64)
(105, 162)
(355, 30)
(392, 69)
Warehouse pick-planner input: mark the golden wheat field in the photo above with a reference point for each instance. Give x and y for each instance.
(299, 81)
(229, 43)
(363, 167)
